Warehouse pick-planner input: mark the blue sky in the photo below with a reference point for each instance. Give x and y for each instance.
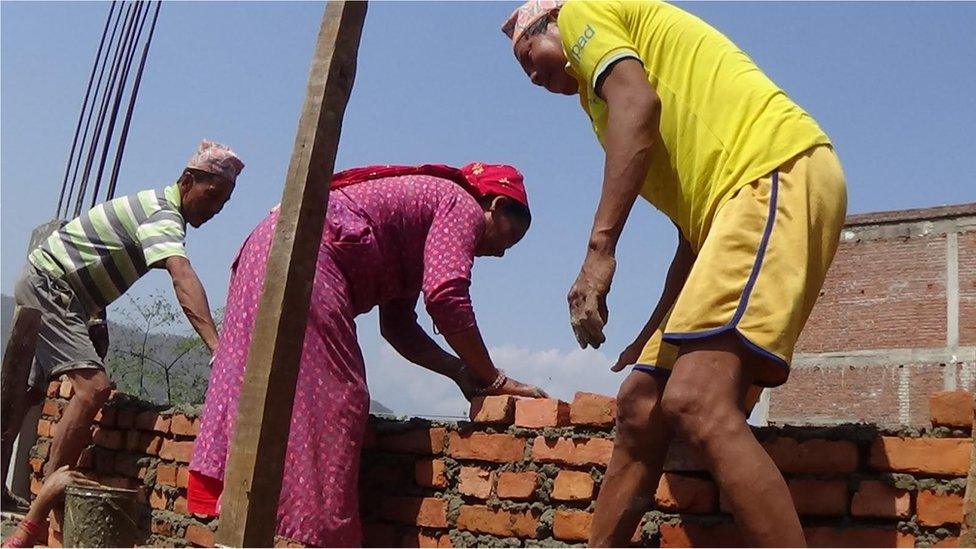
(437, 83)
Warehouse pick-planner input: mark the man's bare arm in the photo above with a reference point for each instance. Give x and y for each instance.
(634, 111)
(193, 299)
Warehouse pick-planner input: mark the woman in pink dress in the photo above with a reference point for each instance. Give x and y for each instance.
(391, 234)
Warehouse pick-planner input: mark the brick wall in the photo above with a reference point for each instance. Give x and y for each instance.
(526, 473)
(895, 321)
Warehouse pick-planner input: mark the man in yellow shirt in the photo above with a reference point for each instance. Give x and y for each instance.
(691, 124)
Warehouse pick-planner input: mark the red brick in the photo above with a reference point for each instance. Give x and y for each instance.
(419, 441)
(51, 409)
(37, 465)
(53, 389)
(43, 428)
(104, 461)
(429, 473)
(379, 534)
(516, 485)
(387, 472)
(107, 417)
(157, 500)
(935, 509)
(174, 450)
(182, 477)
(148, 443)
(493, 409)
(127, 465)
(125, 418)
(417, 538)
(935, 456)
(166, 475)
(145, 421)
(116, 481)
(564, 451)
(593, 409)
(483, 520)
(179, 505)
(826, 536)
(952, 409)
(947, 542)
(569, 525)
(686, 494)
(162, 424)
(199, 535)
(878, 499)
(819, 497)
(475, 482)
(184, 426)
(108, 438)
(723, 534)
(130, 441)
(500, 448)
(572, 486)
(812, 456)
(431, 512)
(536, 413)
(66, 390)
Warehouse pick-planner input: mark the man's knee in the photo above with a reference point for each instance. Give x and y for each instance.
(638, 407)
(696, 412)
(92, 387)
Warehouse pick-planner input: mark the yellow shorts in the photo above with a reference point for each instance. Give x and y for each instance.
(761, 267)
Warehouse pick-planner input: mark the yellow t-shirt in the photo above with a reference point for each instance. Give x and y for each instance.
(723, 123)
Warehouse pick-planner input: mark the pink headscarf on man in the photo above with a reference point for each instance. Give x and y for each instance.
(217, 159)
(526, 15)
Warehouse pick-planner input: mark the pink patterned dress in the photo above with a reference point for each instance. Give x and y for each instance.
(384, 239)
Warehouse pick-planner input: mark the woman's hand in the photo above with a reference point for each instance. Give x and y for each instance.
(53, 488)
(517, 388)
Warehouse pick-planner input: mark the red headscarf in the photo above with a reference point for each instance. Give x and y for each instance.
(478, 178)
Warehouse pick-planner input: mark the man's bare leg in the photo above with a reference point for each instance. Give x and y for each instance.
(703, 402)
(635, 467)
(73, 432)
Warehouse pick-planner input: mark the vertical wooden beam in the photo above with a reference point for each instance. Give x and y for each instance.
(252, 481)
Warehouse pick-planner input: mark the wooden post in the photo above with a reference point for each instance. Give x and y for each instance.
(967, 537)
(252, 480)
(17, 360)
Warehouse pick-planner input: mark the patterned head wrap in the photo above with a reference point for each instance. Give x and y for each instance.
(478, 178)
(218, 159)
(497, 180)
(525, 16)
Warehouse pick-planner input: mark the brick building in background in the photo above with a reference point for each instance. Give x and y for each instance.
(896, 321)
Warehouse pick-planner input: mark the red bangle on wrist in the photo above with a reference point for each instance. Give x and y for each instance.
(32, 528)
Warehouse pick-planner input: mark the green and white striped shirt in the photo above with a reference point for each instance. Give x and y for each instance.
(105, 250)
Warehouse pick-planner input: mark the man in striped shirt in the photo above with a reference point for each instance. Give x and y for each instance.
(91, 261)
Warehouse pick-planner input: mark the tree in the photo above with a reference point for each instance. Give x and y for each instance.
(151, 359)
